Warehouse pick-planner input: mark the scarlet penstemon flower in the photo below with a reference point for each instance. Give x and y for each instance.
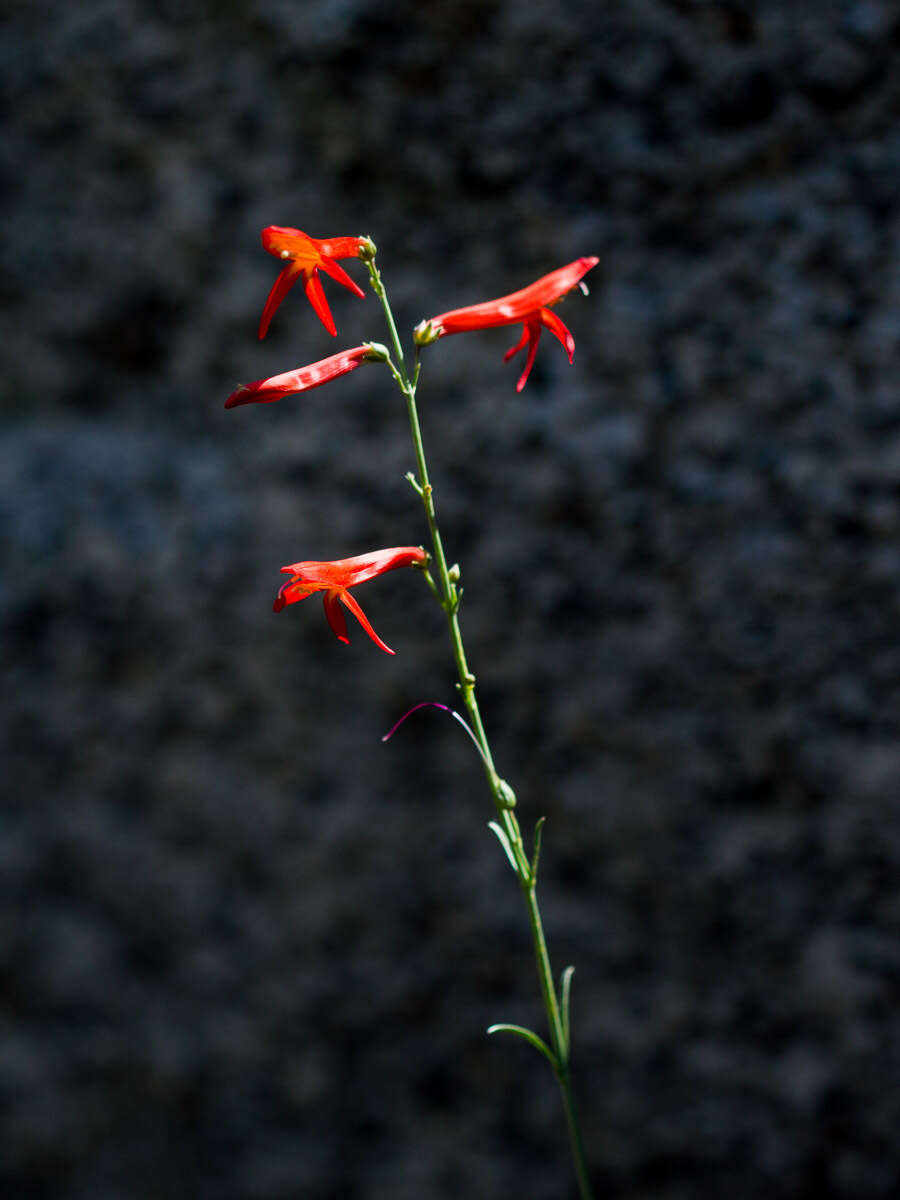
(530, 305)
(306, 256)
(303, 379)
(336, 577)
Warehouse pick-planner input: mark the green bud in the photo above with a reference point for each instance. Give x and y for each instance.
(505, 794)
(425, 333)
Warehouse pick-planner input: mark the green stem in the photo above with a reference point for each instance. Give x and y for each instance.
(504, 798)
(579, 1158)
(545, 975)
(558, 1037)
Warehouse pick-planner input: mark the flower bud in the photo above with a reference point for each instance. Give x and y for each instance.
(505, 794)
(425, 333)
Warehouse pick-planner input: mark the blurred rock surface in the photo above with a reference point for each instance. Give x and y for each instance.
(248, 951)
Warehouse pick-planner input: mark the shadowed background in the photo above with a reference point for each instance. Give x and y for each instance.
(247, 951)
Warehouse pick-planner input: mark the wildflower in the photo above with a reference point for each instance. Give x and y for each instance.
(530, 306)
(335, 578)
(302, 379)
(306, 256)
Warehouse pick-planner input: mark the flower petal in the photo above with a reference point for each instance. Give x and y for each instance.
(316, 297)
(302, 379)
(518, 346)
(348, 572)
(334, 616)
(340, 247)
(289, 593)
(533, 330)
(552, 322)
(532, 333)
(338, 273)
(280, 288)
(283, 241)
(349, 601)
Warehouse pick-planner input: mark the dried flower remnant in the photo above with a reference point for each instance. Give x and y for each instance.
(530, 306)
(335, 578)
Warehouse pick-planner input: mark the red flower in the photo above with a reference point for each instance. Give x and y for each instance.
(334, 579)
(307, 255)
(264, 391)
(529, 306)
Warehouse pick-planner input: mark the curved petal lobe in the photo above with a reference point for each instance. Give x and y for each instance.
(334, 616)
(552, 322)
(534, 336)
(518, 346)
(330, 267)
(347, 599)
(280, 288)
(316, 296)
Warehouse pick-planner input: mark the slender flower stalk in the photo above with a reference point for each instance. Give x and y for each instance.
(520, 306)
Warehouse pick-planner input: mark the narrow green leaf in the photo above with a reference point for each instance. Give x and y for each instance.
(504, 842)
(536, 856)
(565, 988)
(529, 1036)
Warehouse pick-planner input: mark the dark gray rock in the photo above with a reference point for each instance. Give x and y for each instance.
(249, 951)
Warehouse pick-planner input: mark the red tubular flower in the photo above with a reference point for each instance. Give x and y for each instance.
(335, 578)
(306, 256)
(530, 305)
(264, 391)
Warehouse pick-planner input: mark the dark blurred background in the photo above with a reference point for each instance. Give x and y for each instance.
(246, 950)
